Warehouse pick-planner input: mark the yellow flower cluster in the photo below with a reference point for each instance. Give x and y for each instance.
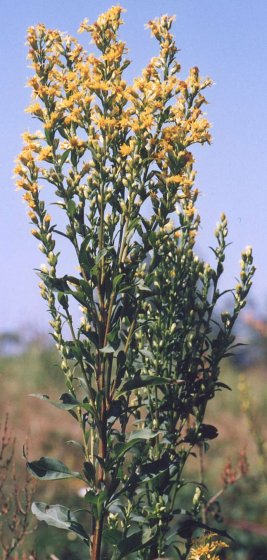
(160, 30)
(106, 26)
(206, 548)
(87, 109)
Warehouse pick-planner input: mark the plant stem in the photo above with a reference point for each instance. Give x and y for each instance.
(201, 467)
(96, 550)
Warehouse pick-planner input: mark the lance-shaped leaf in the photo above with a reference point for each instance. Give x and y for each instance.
(144, 381)
(54, 284)
(60, 517)
(47, 468)
(121, 448)
(67, 402)
(64, 157)
(112, 536)
(137, 541)
(146, 433)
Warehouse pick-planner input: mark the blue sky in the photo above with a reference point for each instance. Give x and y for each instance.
(227, 40)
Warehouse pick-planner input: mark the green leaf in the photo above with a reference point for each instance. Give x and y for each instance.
(208, 431)
(137, 541)
(60, 517)
(96, 500)
(74, 350)
(112, 536)
(93, 337)
(143, 288)
(108, 349)
(89, 471)
(146, 353)
(68, 402)
(74, 158)
(146, 433)
(85, 258)
(155, 469)
(125, 288)
(47, 468)
(54, 284)
(88, 407)
(202, 433)
(63, 300)
(75, 443)
(71, 208)
(101, 254)
(121, 448)
(117, 280)
(145, 381)
(91, 497)
(135, 437)
(48, 136)
(220, 385)
(64, 157)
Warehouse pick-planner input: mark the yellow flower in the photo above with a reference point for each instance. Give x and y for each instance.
(74, 116)
(26, 156)
(35, 109)
(100, 85)
(75, 54)
(190, 211)
(115, 52)
(22, 184)
(45, 154)
(104, 122)
(52, 120)
(125, 150)
(174, 179)
(168, 227)
(135, 125)
(31, 215)
(28, 138)
(157, 25)
(84, 26)
(108, 23)
(146, 121)
(20, 170)
(29, 199)
(73, 143)
(34, 33)
(205, 548)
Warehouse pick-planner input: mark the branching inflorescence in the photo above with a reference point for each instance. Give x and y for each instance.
(144, 361)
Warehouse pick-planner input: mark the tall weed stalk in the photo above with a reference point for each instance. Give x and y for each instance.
(144, 361)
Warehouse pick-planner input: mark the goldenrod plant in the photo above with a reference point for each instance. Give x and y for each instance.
(144, 361)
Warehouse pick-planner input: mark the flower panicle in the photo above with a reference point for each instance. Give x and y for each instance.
(71, 88)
